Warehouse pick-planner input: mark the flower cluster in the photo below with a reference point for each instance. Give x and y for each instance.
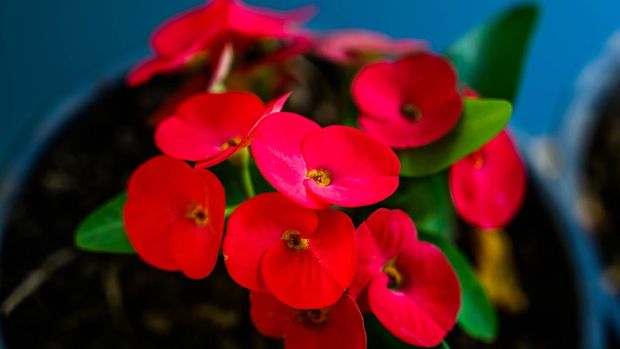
(309, 270)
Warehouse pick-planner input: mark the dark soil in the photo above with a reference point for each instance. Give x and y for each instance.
(116, 301)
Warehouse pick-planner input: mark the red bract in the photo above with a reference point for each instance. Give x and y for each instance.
(338, 326)
(410, 102)
(488, 186)
(210, 127)
(174, 216)
(409, 284)
(317, 166)
(186, 40)
(305, 258)
(353, 46)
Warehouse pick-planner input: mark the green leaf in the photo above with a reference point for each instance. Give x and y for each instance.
(103, 230)
(380, 338)
(477, 316)
(482, 120)
(427, 200)
(490, 58)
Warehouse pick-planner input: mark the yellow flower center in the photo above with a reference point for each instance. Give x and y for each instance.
(411, 112)
(294, 241)
(320, 176)
(395, 278)
(233, 142)
(477, 159)
(316, 316)
(198, 214)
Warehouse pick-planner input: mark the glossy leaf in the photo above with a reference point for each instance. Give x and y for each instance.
(477, 316)
(490, 58)
(380, 338)
(482, 120)
(103, 230)
(427, 200)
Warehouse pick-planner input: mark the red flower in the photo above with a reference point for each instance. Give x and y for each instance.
(174, 216)
(305, 258)
(210, 127)
(317, 166)
(186, 39)
(353, 46)
(408, 284)
(488, 186)
(410, 102)
(338, 326)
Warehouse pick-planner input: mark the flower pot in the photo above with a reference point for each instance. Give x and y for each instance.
(82, 300)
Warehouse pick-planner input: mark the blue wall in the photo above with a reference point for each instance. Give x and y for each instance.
(49, 49)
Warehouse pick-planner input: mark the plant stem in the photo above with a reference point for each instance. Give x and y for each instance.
(229, 210)
(246, 175)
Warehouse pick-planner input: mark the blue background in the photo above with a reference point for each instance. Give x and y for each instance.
(51, 49)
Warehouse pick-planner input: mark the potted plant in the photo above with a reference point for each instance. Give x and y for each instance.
(337, 173)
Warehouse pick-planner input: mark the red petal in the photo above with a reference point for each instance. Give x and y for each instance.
(349, 45)
(363, 170)
(180, 32)
(270, 316)
(318, 276)
(426, 307)
(376, 91)
(276, 147)
(194, 249)
(257, 224)
(204, 122)
(344, 329)
(424, 80)
(276, 105)
(150, 67)
(488, 186)
(379, 239)
(153, 208)
(261, 22)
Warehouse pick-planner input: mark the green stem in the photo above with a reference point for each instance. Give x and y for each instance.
(229, 210)
(246, 175)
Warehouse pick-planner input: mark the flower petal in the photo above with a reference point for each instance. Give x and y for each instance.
(152, 209)
(318, 276)
(180, 32)
(344, 328)
(276, 147)
(194, 249)
(205, 122)
(375, 91)
(363, 170)
(424, 81)
(270, 316)
(425, 308)
(254, 226)
(379, 239)
(488, 186)
(351, 45)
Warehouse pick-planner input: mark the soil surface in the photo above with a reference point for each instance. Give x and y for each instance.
(116, 301)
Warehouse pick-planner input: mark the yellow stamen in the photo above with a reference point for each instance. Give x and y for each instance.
(477, 159)
(198, 214)
(320, 176)
(411, 112)
(233, 142)
(316, 316)
(394, 276)
(294, 241)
